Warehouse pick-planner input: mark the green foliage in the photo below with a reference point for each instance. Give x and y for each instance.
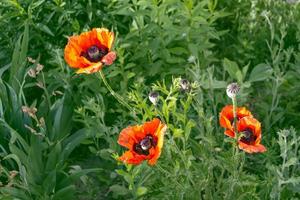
(286, 176)
(59, 130)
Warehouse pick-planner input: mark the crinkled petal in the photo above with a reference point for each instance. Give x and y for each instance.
(151, 127)
(258, 148)
(229, 133)
(105, 37)
(160, 132)
(130, 157)
(249, 123)
(91, 69)
(131, 135)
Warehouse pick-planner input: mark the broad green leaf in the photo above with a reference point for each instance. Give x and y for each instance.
(66, 193)
(72, 142)
(260, 72)
(118, 190)
(232, 68)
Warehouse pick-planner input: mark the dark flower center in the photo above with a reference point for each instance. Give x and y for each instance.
(249, 137)
(95, 53)
(145, 145)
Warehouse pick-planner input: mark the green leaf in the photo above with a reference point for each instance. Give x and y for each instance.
(45, 29)
(73, 141)
(53, 157)
(177, 133)
(65, 193)
(19, 54)
(49, 182)
(260, 72)
(141, 191)
(188, 128)
(125, 175)
(15, 158)
(290, 162)
(14, 192)
(15, 135)
(118, 190)
(232, 68)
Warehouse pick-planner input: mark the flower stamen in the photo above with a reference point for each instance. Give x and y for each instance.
(248, 136)
(94, 53)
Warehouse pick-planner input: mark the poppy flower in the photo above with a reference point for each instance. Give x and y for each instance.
(89, 51)
(250, 140)
(226, 118)
(144, 142)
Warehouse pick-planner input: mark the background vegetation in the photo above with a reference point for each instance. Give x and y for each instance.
(59, 130)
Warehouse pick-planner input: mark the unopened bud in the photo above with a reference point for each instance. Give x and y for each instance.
(153, 97)
(30, 111)
(32, 73)
(39, 68)
(184, 84)
(232, 90)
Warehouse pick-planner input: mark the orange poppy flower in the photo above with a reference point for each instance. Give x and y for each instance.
(89, 51)
(251, 130)
(144, 142)
(226, 118)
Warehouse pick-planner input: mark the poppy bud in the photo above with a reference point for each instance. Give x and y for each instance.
(32, 73)
(153, 97)
(232, 90)
(184, 84)
(191, 59)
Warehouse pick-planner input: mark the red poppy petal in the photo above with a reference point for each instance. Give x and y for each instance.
(130, 157)
(160, 132)
(151, 127)
(91, 69)
(243, 112)
(88, 39)
(229, 133)
(225, 123)
(105, 37)
(252, 148)
(249, 123)
(127, 137)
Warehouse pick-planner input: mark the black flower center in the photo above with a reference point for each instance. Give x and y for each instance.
(248, 136)
(145, 145)
(95, 53)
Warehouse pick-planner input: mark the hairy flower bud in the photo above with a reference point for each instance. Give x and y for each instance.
(232, 90)
(153, 97)
(184, 84)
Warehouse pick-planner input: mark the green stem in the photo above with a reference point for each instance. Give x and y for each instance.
(167, 173)
(115, 95)
(236, 136)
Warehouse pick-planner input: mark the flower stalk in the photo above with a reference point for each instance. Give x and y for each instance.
(232, 90)
(113, 93)
(236, 136)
